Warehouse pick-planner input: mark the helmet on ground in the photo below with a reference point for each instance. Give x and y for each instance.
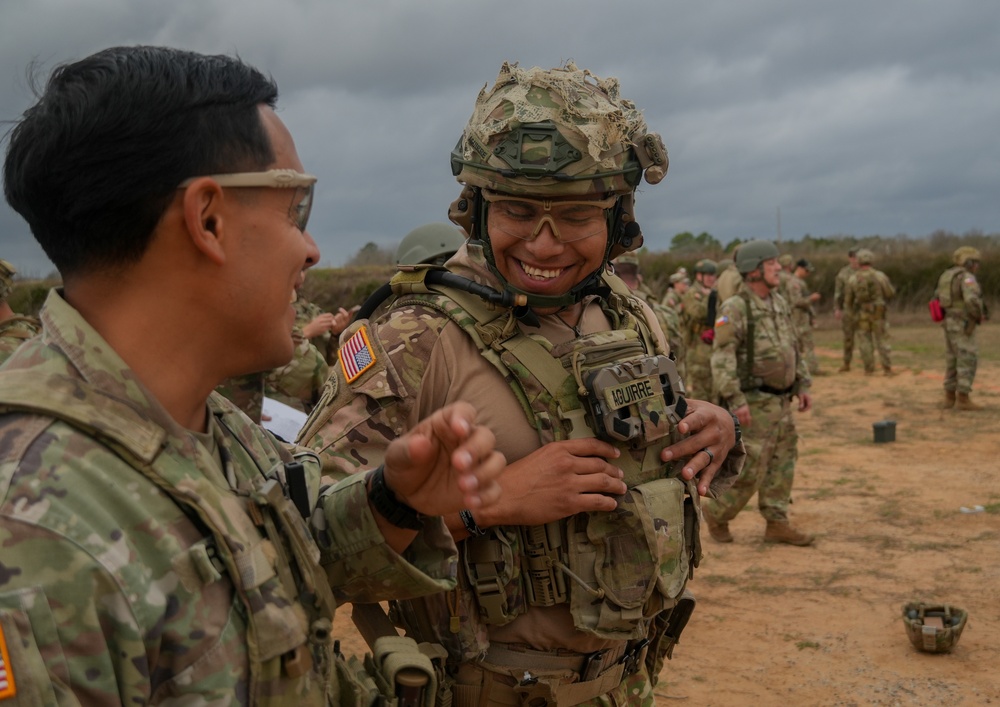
(964, 254)
(865, 257)
(7, 273)
(785, 259)
(752, 253)
(430, 243)
(556, 133)
(933, 628)
(705, 266)
(723, 264)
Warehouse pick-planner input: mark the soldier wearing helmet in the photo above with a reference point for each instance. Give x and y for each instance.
(801, 300)
(866, 295)
(961, 298)
(432, 244)
(728, 278)
(15, 329)
(847, 323)
(697, 315)
(530, 325)
(758, 370)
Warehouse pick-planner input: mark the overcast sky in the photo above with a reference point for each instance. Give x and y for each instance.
(851, 117)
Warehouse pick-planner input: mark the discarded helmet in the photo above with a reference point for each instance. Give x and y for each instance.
(933, 628)
(964, 254)
(429, 243)
(752, 253)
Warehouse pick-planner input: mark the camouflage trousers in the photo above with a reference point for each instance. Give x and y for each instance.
(698, 366)
(873, 334)
(479, 686)
(961, 355)
(772, 449)
(848, 325)
(807, 347)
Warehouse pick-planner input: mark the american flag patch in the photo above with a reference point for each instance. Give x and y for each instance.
(356, 355)
(7, 687)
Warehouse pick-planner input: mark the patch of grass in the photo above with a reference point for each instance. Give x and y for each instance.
(820, 494)
(716, 579)
(802, 645)
(890, 510)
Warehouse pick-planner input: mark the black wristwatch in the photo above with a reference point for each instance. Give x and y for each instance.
(470, 524)
(391, 508)
(736, 427)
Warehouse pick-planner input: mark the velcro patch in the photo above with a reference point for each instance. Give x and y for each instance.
(7, 687)
(356, 355)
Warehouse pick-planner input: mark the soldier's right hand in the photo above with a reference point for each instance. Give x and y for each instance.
(743, 415)
(556, 481)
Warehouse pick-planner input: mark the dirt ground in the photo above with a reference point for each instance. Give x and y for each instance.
(781, 625)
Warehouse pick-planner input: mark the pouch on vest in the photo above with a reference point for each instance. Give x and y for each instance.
(937, 311)
(632, 563)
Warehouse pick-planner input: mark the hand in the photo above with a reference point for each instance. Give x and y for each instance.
(445, 463)
(805, 402)
(743, 415)
(318, 326)
(708, 427)
(556, 481)
(815, 297)
(340, 320)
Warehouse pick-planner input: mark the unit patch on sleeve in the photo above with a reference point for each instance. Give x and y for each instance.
(356, 355)
(7, 686)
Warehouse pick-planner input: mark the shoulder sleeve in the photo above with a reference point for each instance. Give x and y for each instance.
(730, 331)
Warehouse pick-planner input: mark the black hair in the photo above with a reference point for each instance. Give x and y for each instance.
(95, 162)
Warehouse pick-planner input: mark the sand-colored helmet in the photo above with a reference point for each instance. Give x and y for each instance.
(430, 243)
(7, 273)
(705, 266)
(964, 254)
(752, 253)
(627, 259)
(865, 257)
(785, 259)
(934, 628)
(556, 133)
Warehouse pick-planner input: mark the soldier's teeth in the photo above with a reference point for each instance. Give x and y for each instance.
(539, 273)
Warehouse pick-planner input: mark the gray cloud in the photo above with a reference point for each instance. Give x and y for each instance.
(852, 117)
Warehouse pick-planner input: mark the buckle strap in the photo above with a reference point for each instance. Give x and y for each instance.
(587, 665)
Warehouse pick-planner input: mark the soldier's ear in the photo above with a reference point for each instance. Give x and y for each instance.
(204, 218)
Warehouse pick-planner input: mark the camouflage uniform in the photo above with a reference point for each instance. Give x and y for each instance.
(728, 283)
(300, 381)
(670, 322)
(778, 373)
(962, 318)
(803, 317)
(672, 300)
(698, 352)
(305, 312)
(14, 332)
(146, 564)
(865, 296)
(424, 360)
(848, 324)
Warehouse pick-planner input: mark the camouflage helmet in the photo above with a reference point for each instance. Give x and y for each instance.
(865, 257)
(705, 266)
(933, 628)
(7, 273)
(627, 259)
(964, 254)
(429, 243)
(786, 260)
(752, 253)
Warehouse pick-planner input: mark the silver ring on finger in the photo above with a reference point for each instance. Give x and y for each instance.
(711, 457)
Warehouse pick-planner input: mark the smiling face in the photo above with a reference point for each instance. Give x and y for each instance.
(545, 265)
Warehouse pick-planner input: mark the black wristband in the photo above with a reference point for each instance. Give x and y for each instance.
(736, 427)
(391, 508)
(470, 524)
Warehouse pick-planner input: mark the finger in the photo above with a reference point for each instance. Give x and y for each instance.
(590, 447)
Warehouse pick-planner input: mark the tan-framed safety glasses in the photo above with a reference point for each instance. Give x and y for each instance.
(570, 220)
(303, 185)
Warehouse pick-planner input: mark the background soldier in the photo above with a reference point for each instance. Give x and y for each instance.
(758, 371)
(546, 205)
(961, 298)
(15, 329)
(785, 261)
(156, 543)
(801, 300)
(627, 268)
(847, 323)
(698, 330)
(676, 289)
(728, 278)
(866, 295)
(430, 244)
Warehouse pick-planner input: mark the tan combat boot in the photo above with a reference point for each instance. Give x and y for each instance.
(719, 530)
(949, 400)
(781, 531)
(962, 402)
(844, 368)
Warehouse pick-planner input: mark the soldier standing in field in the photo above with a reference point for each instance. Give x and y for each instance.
(698, 330)
(758, 371)
(866, 297)
(15, 329)
(846, 318)
(728, 278)
(961, 298)
(801, 300)
(572, 591)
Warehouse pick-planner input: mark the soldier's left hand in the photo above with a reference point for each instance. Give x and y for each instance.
(805, 402)
(445, 464)
(710, 428)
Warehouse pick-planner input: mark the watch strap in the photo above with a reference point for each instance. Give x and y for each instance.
(389, 507)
